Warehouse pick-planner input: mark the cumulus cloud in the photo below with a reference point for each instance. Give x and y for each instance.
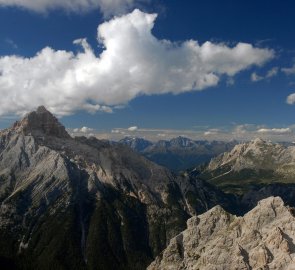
(274, 130)
(83, 130)
(134, 128)
(133, 63)
(108, 7)
(86, 129)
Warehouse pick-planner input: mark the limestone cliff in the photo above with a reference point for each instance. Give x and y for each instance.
(216, 240)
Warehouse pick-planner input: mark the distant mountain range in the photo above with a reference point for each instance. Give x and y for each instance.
(180, 153)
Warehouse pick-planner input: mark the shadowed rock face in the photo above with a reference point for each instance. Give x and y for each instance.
(262, 239)
(285, 191)
(82, 203)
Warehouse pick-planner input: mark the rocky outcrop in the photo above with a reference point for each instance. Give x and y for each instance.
(262, 239)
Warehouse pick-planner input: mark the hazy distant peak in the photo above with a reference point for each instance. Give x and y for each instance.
(182, 142)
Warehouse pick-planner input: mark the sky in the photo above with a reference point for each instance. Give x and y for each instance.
(152, 68)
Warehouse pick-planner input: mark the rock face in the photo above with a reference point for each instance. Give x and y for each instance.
(180, 153)
(78, 203)
(137, 144)
(262, 239)
(256, 154)
(252, 163)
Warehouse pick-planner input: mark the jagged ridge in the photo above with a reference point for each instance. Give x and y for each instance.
(262, 239)
(179, 153)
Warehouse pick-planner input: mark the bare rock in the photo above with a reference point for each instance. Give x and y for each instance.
(261, 239)
(41, 122)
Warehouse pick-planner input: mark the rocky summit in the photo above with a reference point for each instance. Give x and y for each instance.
(251, 163)
(41, 123)
(82, 203)
(262, 239)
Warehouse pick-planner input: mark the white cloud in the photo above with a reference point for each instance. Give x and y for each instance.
(115, 131)
(133, 63)
(244, 132)
(291, 99)
(213, 131)
(83, 130)
(208, 133)
(274, 130)
(132, 128)
(289, 71)
(86, 129)
(247, 132)
(250, 131)
(108, 7)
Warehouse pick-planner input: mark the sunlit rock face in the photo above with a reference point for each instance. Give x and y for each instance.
(262, 239)
(251, 164)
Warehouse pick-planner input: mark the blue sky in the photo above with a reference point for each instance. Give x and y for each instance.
(254, 95)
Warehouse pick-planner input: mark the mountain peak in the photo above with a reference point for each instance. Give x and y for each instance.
(41, 122)
(42, 109)
(181, 141)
